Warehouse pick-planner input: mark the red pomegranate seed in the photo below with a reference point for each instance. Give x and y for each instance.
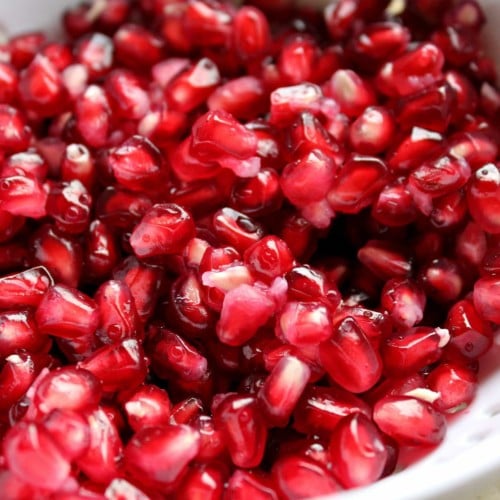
(66, 388)
(251, 33)
(414, 349)
(158, 456)
(137, 48)
(101, 252)
(186, 411)
(241, 421)
(372, 131)
(282, 389)
(92, 117)
(409, 421)
(246, 484)
(350, 359)
(482, 197)
(304, 323)
(244, 310)
(8, 83)
(164, 230)
(405, 302)
(78, 165)
(205, 480)
(357, 451)
(22, 194)
(302, 477)
(126, 95)
(411, 72)
(486, 298)
(24, 289)
(118, 366)
(67, 312)
(191, 88)
(470, 334)
(100, 462)
(18, 331)
(121, 488)
(95, 52)
(118, 316)
(17, 374)
(70, 431)
(173, 356)
(208, 25)
(357, 185)
(384, 260)
(147, 406)
(33, 456)
(442, 280)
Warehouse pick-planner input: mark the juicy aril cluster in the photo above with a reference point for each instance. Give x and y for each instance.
(246, 252)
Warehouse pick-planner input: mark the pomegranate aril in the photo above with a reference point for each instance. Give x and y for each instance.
(9, 79)
(411, 72)
(33, 456)
(241, 420)
(244, 310)
(302, 477)
(118, 366)
(120, 488)
(476, 147)
(350, 359)
(206, 25)
(357, 184)
(204, 480)
(126, 95)
(191, 88)
(357, 451)
(118, 316)
(23, 195)
(372, 131)
(101, 251)
(18, 331)
(24, 289)
(66, 388)
(405, 302)
(471, 244)
(157, 457)
(212, 442)
(394, 206)
(410, 421)
(251, 33)
(486, 298)
(442, 280)
(482, 198)
(186, 411)
(101, 460)
(413, 349)
(78, 165)
(246, 484)
(137, 48)
(70, 431)
(282, 389)
(164, 230)
(147, 406)
(173, 356)
(41, 89)
(93, 117)
(384, 259)
(67, 312)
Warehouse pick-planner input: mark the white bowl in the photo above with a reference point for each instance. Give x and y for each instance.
(468, 462)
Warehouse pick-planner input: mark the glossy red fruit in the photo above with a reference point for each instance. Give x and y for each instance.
(147, 406)
(101, 251)
(33, 456)
(241, 420)
(244, 310)
(405, 302)
(15, 134)
(18, 331)
(93, 117)
(282, 389)
(172, 356)
(101, 460)
(302, 477)
(67, 312)
(350, 359)
(410, 421)
(23, 195)
(66, 388)
(244, 484)
(486, 298)
(118, 315)
(482, 197)
(357, 185)
(164, 230)
(251, 33)
(70, 431)
(456, 386)
(357, 451)
(372, 131)
(60, 255)
(118, 366)
(304, 323)
(159, 456)
(205, 480)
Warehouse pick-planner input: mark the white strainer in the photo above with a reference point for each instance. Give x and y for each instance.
(468, 462)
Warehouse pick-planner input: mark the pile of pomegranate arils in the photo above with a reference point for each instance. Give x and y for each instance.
(246, 252)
